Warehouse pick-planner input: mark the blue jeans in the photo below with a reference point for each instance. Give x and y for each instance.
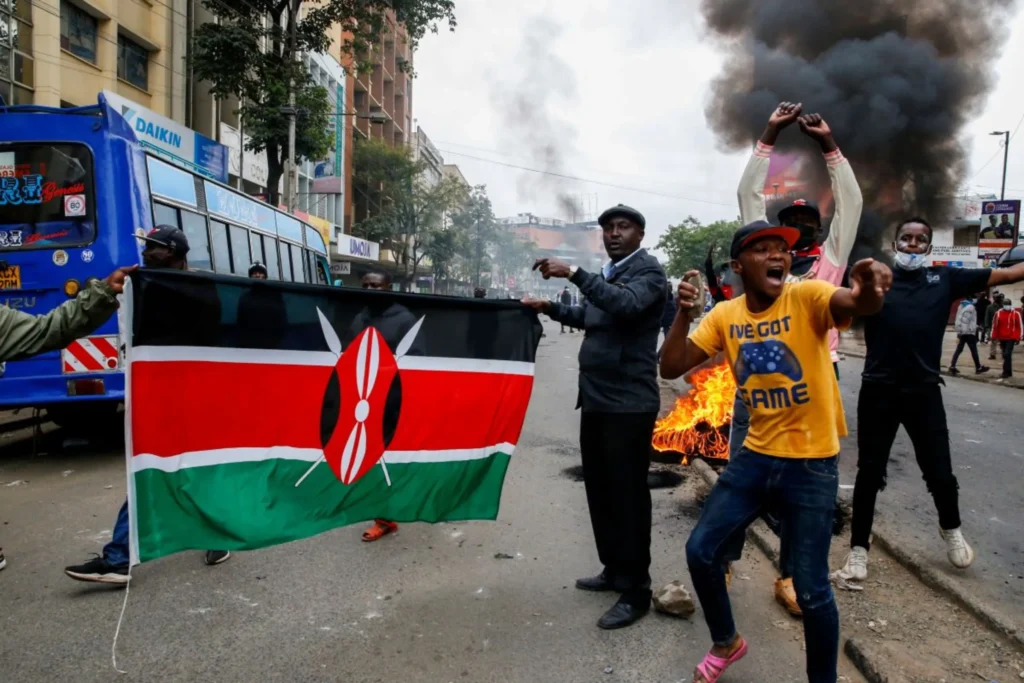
(116, 552)
(804, 493)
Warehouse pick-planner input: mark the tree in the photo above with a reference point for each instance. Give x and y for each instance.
(251, 54)
(687, 244)
(410, 214)
(512, 255)
(476, 218)
(443, 251)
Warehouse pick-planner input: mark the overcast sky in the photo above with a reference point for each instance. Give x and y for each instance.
(588, 89)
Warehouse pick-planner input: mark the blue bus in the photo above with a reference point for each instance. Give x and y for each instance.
(76, 188)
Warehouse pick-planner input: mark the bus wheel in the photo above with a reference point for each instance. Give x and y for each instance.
(87, 416)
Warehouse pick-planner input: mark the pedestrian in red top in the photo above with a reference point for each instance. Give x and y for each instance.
(1007, 330)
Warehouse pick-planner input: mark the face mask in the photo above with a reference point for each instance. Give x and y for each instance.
(1007, 307)
(910, 261)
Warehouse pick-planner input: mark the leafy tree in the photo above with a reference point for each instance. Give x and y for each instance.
(512, 255)
(444, 252)
(410, 217)
(687, 244)
(476, 218)
(251, 55)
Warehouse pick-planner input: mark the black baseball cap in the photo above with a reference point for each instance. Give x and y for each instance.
(622, 211)
(799, 205)
(168, 236)
(751, 232)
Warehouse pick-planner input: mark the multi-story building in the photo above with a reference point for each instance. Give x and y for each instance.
(576, 243)
(433, 164)
(64, 52)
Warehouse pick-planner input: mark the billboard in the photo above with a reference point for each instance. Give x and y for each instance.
(999, 223)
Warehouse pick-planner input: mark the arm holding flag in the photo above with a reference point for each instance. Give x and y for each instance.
(23, 335)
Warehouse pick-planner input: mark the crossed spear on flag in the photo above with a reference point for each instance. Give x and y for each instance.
(366, 378)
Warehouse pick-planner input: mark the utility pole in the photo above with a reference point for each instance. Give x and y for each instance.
(1006, 157)
(291, 176)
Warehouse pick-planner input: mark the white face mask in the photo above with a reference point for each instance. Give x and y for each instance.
(910, 261)
(1007, 307)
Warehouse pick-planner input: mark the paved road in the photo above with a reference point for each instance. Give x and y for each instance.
(429, 604)
(986, 425)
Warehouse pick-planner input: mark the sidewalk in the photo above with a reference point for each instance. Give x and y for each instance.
(852, 344)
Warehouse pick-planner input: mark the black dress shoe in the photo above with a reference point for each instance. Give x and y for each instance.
(598, 584)
(623, 614)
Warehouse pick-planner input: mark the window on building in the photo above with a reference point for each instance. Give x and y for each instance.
(78, 31)
(132, 63)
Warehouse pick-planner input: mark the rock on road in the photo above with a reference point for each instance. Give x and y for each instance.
(430, 604)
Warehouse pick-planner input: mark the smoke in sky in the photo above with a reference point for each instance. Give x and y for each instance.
(896, 79)
(531, 113)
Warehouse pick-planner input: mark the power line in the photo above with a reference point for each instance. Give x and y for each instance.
(587, 180)
(1002, 143)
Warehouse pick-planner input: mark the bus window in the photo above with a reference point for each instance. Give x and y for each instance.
(286, 263)
(297, 263)
(194, 227)
(165, 215)
(256, 242)
(221, 251)
(273, 272)
(46, 196)
(239, 250)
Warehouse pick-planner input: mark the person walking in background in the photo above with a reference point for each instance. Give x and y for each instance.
(990, 313)
(982, 305)
(619, 399)
(566, 300)
(966, 327)
(1007, 332)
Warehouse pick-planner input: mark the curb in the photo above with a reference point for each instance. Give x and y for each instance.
(944, 372)
(944, 585)
(863, 662)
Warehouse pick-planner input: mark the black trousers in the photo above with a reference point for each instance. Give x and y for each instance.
(972, 343)
(881, 409)
(1007, 347)
(616, 450)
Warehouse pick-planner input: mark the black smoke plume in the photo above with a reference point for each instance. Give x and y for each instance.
(895, 79)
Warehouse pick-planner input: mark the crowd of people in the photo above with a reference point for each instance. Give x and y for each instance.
(777, 327)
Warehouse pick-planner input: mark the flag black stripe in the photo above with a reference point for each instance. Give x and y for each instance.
(173, 308)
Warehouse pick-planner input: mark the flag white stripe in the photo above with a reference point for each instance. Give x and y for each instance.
(212, 354)
(231, 456)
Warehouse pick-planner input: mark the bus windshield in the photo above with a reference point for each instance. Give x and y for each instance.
(46, 196)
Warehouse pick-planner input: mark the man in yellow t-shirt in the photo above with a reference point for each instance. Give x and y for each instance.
(775, 337)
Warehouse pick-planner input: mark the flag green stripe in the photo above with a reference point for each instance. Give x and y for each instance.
(250, 505)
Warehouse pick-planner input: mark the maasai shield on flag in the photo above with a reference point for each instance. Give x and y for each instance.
(262, 412)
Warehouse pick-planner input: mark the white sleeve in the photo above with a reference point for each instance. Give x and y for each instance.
(751, 190)
(849, 205)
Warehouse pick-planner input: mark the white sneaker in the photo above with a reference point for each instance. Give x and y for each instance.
(3, 562)
(959, 552)
(856, 567)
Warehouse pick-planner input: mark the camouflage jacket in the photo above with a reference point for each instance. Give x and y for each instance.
(23, 335)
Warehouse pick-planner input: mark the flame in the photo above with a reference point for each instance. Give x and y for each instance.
(696, 425)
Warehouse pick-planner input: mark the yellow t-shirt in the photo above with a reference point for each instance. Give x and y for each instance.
(783, 369)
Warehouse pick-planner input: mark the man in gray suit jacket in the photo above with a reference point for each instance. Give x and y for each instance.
(619, 398)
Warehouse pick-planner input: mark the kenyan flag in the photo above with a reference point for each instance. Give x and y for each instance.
(260, 413)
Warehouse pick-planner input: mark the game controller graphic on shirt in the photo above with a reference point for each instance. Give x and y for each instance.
(767, 358)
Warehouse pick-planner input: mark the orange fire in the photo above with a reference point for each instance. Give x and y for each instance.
(696, 425)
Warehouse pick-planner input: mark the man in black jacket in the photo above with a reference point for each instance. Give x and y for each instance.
(618, 394)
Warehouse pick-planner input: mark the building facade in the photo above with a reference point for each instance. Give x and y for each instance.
(577, 243)
(64, 52)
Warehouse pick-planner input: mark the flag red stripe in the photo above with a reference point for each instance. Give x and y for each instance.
(234, 405)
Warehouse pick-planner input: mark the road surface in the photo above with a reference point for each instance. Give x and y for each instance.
(986, 430)
(430, 604)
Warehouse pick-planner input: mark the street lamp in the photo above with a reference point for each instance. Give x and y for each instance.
(1006, 156)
